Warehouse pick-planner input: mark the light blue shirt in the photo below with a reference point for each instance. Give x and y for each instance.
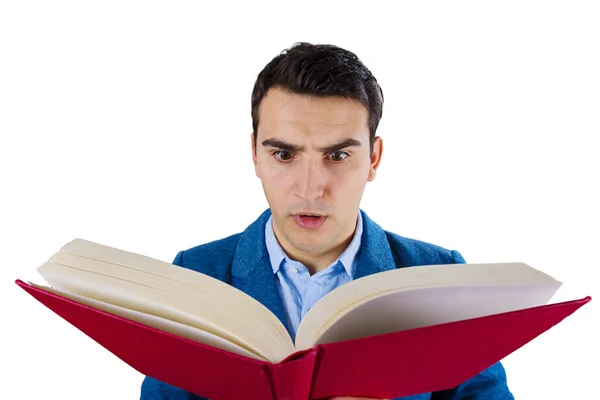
(299, 290)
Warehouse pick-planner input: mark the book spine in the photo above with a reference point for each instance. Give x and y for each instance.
(292, 378)
(316, 367)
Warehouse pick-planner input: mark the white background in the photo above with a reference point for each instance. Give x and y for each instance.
(128, 123)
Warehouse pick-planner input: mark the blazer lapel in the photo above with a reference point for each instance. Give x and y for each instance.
(375, 254)
(251, 269)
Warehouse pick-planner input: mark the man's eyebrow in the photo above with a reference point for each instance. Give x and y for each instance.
(341, 145)
(279, 144)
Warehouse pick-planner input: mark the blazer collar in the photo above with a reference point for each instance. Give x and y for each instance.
(375, 254)
(251, 268)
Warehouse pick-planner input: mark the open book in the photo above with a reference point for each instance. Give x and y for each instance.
(183, 327)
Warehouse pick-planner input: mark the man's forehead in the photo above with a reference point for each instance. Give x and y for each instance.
(309, 121)
(283, 107)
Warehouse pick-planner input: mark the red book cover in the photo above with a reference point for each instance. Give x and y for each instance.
(391, 365)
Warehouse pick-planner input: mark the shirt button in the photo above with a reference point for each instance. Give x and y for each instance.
(295, 270)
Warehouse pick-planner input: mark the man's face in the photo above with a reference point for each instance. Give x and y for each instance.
(312, 156)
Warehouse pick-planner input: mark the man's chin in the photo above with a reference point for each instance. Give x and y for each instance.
(309, 249)
(314, 244)
(306, 240)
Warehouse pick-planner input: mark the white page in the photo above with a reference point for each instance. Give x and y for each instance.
(410, 309)
(163, 324)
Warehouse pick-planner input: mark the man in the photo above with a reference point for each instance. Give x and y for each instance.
(315, 112)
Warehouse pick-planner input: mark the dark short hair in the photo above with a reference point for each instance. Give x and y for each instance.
(320, 70)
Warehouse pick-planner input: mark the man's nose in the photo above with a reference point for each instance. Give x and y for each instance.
(310, 180)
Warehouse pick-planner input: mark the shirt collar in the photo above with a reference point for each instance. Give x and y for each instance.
(277, 255)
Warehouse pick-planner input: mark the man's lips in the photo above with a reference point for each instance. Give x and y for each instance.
(308, 214)
(309, 220)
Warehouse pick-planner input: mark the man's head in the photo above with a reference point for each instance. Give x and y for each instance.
(321, 71)
(315, 111)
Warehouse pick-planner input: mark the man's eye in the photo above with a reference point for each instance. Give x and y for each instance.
(283, 155)
(337, 156)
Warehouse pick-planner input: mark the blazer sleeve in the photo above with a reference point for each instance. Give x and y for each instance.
(153, 389)
(490, 384)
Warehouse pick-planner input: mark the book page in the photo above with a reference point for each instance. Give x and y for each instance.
(411, 309)
(163, 324)
(411, 297)
(170, 292)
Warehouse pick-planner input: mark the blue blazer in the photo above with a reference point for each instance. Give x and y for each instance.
(242, 261)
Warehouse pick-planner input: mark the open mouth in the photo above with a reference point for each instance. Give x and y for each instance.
(310, 221)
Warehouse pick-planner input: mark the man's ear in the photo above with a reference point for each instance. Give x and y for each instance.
(375, 157)
(253, 147)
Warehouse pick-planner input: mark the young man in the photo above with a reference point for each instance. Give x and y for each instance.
(315, 112)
